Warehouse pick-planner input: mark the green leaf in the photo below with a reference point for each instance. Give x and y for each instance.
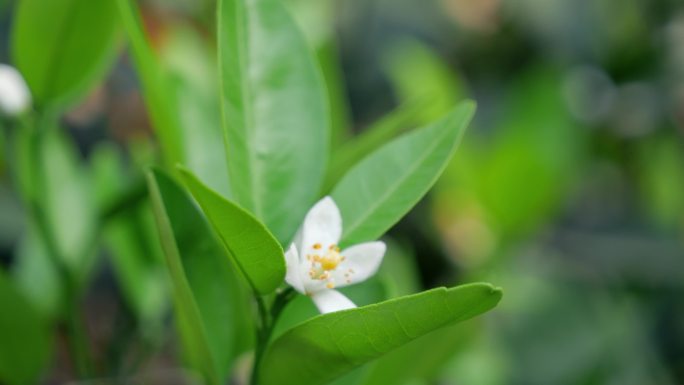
(156, 85)
(108, 178)
(210, 303)
(26, 341)
(180, 85)
(69, 195)
(255, 250)
(188, 316)
(331, 66)
(63, 46)
(423, 357)
(275, 113)
(66, 194)
(383, 187)
(191, 61)
(131, 240)
(302, 308)
(316, 19)
(35, 276)
(373, 137)
(137, 262)
(330, 345)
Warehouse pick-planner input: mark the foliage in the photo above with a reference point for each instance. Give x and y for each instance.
(244, 151)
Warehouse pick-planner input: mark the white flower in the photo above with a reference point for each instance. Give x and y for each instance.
(316, 265)
(15, 97)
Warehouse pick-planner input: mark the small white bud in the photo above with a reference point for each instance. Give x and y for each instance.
(15, 97)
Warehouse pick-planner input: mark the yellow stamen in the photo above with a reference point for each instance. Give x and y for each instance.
(331, 260)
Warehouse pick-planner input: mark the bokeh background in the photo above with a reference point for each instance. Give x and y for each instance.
(567, 191)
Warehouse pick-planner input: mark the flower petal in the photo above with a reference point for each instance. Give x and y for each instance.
(328, 301)
(322, 225)
(361, 261)
(293, 276)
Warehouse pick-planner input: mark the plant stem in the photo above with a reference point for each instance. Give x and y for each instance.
(266, 326)
(78, 342)
(263, 332)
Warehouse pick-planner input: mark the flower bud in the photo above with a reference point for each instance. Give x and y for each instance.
(15, 97)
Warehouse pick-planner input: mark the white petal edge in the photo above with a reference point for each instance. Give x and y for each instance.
(328, 301)
(293, 276)
(363, 259)
(322, 224)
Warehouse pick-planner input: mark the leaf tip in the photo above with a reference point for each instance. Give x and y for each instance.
(468, 108)
(491, 289)
(497, 291)
(469, 104)
(181, 168)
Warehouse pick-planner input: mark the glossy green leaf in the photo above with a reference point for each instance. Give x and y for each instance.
(26, 341)
(402, 365)
(330, 63)
(275, 113)
(62, 46)
(372, 138)
(422, 358)
(209, 300)
(302, 308)
(330, 345)
(384, 186)
(316, 18)
(255, 250)
(205, 280)
(188, 316)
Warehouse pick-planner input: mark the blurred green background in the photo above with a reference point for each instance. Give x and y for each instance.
(568, 190)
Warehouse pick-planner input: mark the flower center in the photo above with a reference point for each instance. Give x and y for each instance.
(331, 259)
(322, 265)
